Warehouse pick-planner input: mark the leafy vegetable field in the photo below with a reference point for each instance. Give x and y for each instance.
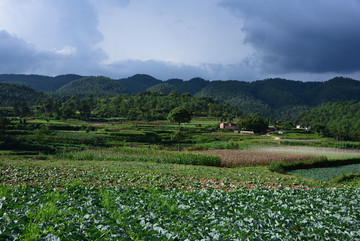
(326, 173)
(80, 213)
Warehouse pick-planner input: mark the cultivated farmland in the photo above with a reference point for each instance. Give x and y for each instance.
(126, 214)
(330, 153)
(252, 158)
(124, 181)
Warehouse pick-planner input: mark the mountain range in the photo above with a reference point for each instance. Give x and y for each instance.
(269, 97)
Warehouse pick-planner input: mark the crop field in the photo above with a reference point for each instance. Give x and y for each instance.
(58, 173)
(116, 180)
(80, 213)
(330, 153)
(326, 173)
(97, 195)
(142, 155)
(253, 157)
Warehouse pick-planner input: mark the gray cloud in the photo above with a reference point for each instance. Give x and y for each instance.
(165, 70)
(18, 56)
(288, 38)
(302, 36)
(53, 37)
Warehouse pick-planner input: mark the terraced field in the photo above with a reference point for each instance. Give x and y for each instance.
(103, 195)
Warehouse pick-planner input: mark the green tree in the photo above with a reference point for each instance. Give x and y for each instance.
(4, 138)
(85, 110)
(4, 122)
(255, 123)
(21, 108)
(178, 136)
(179, 115)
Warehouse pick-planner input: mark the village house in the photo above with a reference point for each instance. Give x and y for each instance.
(229, 126)
(303, 128)
(247, 132)
(272, 129)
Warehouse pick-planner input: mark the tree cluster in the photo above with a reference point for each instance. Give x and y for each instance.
(15, 93)
(67, 108)
(254, 122)
(144, 106)
(340, 120)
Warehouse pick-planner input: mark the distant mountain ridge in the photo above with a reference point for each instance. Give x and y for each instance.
(269, 97)
(39, 82)
(91, 86)
(139, 83)
(10, 93)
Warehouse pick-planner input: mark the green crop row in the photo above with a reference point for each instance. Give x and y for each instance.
(82, 213)
(318, 162)
(142, 155)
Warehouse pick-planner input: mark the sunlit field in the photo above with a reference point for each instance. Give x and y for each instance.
(125, 181)
(255, 157)
(330, 153)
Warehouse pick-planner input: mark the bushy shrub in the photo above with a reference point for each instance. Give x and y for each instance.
(197, 147)
(232, 145)
(277, 167)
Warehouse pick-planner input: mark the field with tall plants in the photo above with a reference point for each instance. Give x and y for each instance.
(113, 180)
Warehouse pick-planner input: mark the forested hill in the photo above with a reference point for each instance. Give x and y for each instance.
(91, 86)
(139, 83)
(336, 119)
(270, 97)
(273, 97)
(12, 93)
(39, 82)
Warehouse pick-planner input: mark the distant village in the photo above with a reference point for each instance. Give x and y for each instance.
(232, 126)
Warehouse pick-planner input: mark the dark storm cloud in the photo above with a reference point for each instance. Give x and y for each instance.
(302, 36)
(16, 55)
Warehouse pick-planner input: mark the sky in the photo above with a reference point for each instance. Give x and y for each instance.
(247, 40)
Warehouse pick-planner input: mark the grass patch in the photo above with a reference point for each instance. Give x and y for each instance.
(329, 153)
(318, 162)
(319, 168)
(322, 143)
(127, 154)
(352, 180)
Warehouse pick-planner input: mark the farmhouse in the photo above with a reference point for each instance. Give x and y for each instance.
(229, 126)
(247, 132)
(272, 129)
(303, 128)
